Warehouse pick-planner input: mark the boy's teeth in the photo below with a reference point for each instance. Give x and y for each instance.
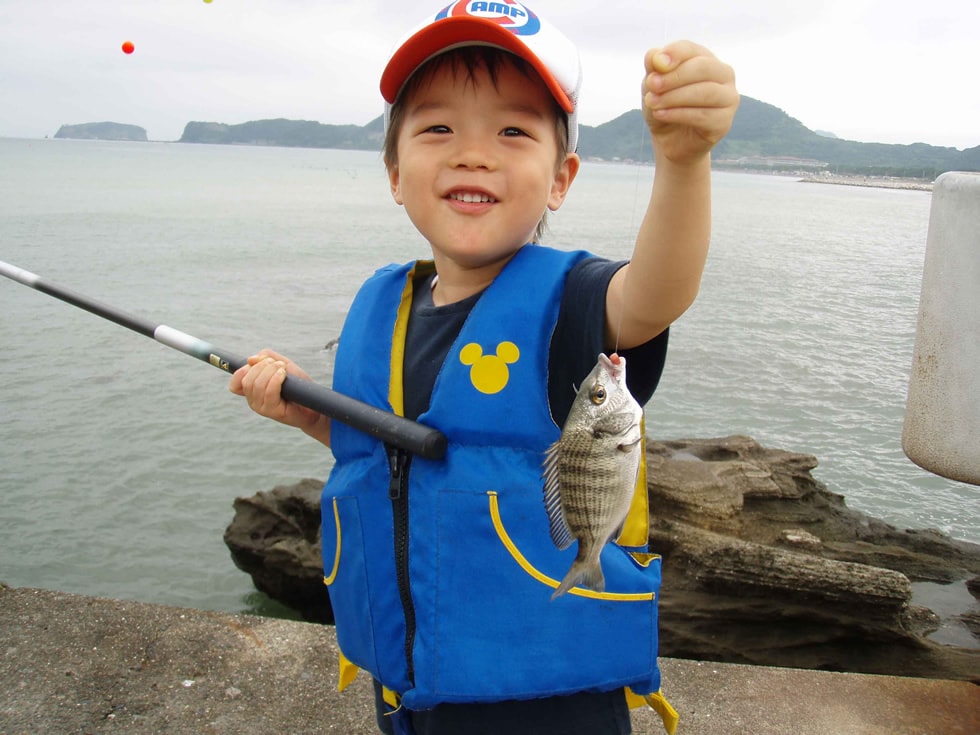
(471, 198)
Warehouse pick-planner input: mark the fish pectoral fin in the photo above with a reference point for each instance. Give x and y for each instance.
(630, 438)
(561, 535)
(628, 446)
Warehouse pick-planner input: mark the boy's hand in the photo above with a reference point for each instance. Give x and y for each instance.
(260, 381)
(689, 100)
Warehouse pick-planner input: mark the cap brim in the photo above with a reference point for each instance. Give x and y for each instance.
(454, 32)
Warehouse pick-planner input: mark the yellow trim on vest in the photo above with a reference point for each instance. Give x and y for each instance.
(544, 579)
(328, 580)
(636, 529)
(659, 704)
(643, 558)
(396, 381)
(396, 395)
(392, 699)
(347, 671)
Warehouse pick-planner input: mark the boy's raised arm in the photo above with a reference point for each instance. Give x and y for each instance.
(689, 102)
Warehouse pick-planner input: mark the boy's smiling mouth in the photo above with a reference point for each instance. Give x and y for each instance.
(472, 197)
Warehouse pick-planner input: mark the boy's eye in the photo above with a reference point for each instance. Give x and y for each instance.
(437, 129)
(512, 132)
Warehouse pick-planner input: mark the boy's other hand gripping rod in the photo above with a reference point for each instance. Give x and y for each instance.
(388, 427)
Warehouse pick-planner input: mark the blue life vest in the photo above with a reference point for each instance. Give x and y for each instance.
(441, 571)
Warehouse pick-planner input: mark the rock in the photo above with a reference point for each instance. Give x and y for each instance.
(275, 537)
(838, 599)
(762, 565)
(738, 488)
(973, 586)
(798, 538)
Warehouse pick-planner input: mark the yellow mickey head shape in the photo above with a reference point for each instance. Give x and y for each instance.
(489, 373)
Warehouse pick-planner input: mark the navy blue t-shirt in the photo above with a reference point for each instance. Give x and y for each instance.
(578, 339)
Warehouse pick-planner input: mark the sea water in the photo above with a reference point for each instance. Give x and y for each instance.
(120, 458)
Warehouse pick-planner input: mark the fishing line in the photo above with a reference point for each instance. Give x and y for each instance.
(388, 427)
(633, 230)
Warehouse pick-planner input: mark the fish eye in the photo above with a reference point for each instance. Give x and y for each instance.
(598, 395)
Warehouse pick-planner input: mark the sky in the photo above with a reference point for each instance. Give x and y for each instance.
(889, 71)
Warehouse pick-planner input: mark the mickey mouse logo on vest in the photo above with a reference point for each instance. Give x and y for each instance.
(489, 373)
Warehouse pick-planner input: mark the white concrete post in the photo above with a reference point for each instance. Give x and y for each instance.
(942, 411)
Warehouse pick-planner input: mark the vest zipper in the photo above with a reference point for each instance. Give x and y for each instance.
(398, 463)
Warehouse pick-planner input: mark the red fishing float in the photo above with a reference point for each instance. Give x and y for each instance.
(128, 47)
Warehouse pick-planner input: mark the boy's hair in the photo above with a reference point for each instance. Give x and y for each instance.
(468, 60)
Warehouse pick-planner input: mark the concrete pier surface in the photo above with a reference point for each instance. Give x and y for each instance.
(75, 664)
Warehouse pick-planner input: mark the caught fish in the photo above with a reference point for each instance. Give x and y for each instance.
(590, 472)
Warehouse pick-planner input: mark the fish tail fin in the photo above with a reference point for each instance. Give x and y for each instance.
(584, 572)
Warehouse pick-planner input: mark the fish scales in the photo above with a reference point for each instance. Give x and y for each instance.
(590, 472)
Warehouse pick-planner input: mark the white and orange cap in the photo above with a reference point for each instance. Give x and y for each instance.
(508, 25)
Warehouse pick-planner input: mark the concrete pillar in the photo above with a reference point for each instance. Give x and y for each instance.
(942, 411)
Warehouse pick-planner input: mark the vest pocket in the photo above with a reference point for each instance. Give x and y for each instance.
(341, 533)
(642, 560)
(496, 632)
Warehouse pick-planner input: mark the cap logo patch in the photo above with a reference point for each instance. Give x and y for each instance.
(508, 14)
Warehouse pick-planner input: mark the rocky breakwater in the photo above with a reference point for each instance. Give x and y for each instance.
(871, 182)
(762, 565)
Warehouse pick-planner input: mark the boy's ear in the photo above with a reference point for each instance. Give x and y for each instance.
(394, 180)
(564, 177)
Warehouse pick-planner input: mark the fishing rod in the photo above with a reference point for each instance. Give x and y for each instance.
(390, 428)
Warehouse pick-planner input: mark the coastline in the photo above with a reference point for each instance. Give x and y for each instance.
(874, 182)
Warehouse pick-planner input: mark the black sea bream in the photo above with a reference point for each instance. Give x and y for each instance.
(590, 472)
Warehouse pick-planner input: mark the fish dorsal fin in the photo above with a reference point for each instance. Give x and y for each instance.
(560, 533)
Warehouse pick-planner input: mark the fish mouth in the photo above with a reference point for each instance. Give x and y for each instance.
(614, 363)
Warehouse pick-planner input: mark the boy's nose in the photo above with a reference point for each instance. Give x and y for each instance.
(472, 153)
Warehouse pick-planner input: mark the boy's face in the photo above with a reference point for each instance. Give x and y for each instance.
(477, 163)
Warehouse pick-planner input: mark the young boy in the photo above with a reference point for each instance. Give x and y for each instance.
(441, 572)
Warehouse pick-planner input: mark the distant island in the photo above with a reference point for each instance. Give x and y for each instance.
(762, 138)
(102, 131)
(288, 133)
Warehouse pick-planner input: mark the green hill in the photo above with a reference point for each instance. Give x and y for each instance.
(287, 133)
(762, 137)
(762, 134)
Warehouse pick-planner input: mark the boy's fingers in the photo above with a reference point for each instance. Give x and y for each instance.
(694, 71)
(666, 59)
(658, 61)
(672, 55)
(696, 95)
(681, 64)
(705, 121)
(262, 384)
(237, 377)
(262, 355)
